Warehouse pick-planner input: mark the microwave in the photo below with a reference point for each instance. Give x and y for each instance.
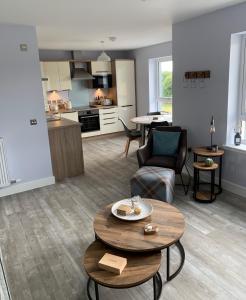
(102, 81)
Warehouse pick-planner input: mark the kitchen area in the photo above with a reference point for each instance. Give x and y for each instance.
(85, 99)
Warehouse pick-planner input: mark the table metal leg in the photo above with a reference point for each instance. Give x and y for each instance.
(157, 287)
(142, 129)
(182, 254)
(212, 185)
(220, 174)
(168, 263)
(96, 291)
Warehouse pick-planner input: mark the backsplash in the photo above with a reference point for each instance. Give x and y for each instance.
(80, 95)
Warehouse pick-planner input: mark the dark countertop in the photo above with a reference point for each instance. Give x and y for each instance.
(57, 124)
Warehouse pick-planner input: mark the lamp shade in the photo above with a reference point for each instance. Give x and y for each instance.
(103, 57)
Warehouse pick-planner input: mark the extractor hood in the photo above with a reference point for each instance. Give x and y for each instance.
(81, 74)
(79, 68)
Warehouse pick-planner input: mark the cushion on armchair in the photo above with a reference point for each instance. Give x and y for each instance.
(165, 143)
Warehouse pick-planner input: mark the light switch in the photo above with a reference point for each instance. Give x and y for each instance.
(23, 47)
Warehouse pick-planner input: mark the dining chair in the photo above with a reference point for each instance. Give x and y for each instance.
(131, 134)
(154, 124)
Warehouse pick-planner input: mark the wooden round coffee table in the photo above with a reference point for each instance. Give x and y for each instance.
(129, 236)
(204, 152)
(140, 268)
(199, 195)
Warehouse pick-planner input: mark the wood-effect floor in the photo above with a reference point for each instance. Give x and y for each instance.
(44, 234)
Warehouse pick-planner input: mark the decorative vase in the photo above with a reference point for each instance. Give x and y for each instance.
(208, 162)
(237, 139)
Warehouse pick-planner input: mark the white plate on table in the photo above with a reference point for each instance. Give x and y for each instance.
(146, 210)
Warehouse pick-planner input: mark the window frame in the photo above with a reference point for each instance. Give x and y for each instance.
(158, 97)
(241, 113)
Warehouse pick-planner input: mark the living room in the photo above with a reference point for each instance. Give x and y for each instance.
(185, 241)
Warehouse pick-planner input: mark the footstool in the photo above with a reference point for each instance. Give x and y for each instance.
(154, 182)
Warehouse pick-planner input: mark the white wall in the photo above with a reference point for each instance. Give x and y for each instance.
(204, 43)
(142, 56)
(21, 99)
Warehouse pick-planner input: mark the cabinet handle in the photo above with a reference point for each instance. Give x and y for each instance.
(109, 123)
(109, 118)
(127, 105)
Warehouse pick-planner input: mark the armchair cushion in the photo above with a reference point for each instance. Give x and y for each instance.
(165, 143)
(162, 161)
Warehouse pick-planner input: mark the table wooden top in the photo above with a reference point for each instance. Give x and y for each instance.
(147, 120)
(129, 236)
(140, 267)
(203, 151)
(201, 166)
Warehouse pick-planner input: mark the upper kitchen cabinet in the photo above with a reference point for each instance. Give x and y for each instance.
(100, 67)
(125, 82)
(58, 74)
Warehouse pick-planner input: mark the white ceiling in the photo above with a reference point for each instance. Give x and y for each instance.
(82, 24)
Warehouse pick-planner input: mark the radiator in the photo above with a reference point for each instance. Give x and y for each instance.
(4, 176)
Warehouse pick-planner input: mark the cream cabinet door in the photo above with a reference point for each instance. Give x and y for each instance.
(71, 116)
(125, 82)
(100, 67)
(50, 69)
(58, 74)
(44, 83)
(127, 113)
(64, 75)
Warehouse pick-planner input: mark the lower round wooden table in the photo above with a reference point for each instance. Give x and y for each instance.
(204, 196)
(204, 152)
(140, 268)
(129, 236)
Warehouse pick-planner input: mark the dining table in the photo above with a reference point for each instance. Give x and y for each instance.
(147, 120)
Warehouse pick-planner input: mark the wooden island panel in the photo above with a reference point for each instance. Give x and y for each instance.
(65, 148)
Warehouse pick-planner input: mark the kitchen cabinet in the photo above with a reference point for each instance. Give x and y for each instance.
(109, 120)
(73, 116)
(58, 74)
(124, 91)
(44, 83)
(127, 113)
(125, 82)
(65, 148)
(100, 67)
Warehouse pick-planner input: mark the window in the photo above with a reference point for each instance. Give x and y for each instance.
(164, 85)
(241, 122)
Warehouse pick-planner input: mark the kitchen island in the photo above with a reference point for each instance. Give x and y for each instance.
(65, 148)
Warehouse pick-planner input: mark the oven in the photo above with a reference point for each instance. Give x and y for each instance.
(89, 120)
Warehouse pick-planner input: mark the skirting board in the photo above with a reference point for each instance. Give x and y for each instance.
(26, 186)
(226, 185)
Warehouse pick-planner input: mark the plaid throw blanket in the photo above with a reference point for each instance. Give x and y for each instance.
(154, 182)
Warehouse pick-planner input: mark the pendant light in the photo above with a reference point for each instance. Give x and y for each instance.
(103, 56)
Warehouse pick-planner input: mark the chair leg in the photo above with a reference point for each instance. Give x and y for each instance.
(184, 186)
(127, 146)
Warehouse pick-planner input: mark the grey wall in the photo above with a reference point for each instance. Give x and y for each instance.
(204, 43)
(21, 99)
(83, 55)
(142, 56)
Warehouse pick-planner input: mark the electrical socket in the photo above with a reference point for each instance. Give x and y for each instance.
(33, 122)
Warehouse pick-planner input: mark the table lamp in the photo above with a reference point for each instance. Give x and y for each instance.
(211, 131)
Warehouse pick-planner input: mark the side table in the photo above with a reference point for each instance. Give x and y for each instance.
(204, 196)
(140, 268)
(204, 152)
